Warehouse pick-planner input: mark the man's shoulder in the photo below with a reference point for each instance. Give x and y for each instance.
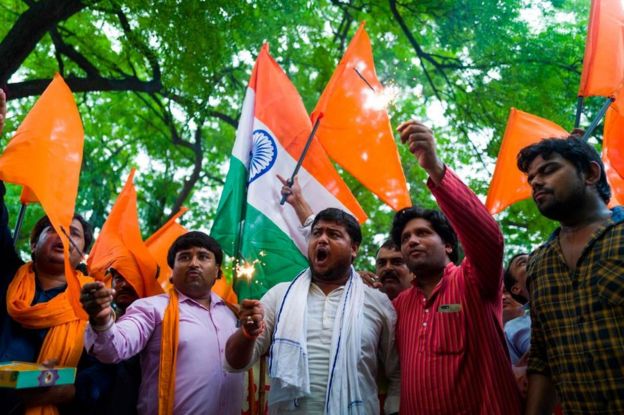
(275, 293)
(153, 303)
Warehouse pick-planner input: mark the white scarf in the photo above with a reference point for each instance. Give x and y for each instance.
(288, 359)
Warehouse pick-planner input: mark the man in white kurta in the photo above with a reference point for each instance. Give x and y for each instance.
(329, 335)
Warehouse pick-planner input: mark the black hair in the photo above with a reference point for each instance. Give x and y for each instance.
(438, 222)
(509, 280)
(44, 222)
(195, 239)
(342, 218)
(389, 244)
(575, 150)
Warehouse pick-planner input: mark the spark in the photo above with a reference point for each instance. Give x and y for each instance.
(246, 269)
(378, 101)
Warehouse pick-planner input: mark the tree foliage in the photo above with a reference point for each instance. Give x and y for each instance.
(160, 86)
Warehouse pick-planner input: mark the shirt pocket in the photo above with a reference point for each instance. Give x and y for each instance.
(609, 280)
(448, 332)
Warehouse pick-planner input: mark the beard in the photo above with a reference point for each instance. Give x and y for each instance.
(560, 209)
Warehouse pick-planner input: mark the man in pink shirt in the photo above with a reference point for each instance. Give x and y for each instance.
(205, 323)
(449, 332)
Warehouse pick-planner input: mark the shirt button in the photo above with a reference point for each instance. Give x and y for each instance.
(425, 324)
(426, 310)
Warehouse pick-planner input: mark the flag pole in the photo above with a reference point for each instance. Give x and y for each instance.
(579, 111)
(303, 154)
(18, 224)
(597, 119)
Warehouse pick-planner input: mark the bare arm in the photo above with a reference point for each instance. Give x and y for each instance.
(294, 197)
(240, 346)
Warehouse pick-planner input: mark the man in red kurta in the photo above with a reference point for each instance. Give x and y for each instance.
(449, 332)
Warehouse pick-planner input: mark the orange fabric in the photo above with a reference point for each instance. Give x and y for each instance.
(28, 196)
(64, 341)
(159, 243)
(280, 108)
(603, 63)
(613, 154)
(45, 155)
(168, 355)
(121, 246)
(355, 129)
(225, 290)
(509, 185)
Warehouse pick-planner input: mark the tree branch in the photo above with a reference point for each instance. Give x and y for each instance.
(28, 30)
(97, 83)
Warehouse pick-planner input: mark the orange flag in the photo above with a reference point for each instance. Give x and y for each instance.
(509, 185)
(45, 155)
(355, 129)
(603, 64)
(613, 154)
(225, 290)
(120, 246)
(159, 243)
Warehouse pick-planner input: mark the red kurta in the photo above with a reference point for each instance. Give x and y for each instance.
(451, 346)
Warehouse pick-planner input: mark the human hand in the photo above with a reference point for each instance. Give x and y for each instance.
(370, 279)
(97, 301)
(292, 192)
(252, 317)
(421, 143)
(520, 373)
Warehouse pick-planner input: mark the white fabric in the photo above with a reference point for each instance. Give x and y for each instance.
(376, 355)
(288, 361)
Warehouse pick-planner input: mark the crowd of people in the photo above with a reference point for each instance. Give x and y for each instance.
(439, 328)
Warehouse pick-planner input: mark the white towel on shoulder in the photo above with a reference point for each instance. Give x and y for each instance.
(288, 359)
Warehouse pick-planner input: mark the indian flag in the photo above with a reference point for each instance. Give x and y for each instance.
(250, 223)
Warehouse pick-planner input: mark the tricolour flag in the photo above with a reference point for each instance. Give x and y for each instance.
(250, 222)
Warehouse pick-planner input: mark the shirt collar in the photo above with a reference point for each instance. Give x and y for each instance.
(215, 300)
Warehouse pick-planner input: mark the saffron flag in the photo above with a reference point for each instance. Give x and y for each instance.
(613, 154)
(355, 129)
(509, 185)
(159, 243)
(603, 63)
(121, 246)
(45, 156)
(250, 223)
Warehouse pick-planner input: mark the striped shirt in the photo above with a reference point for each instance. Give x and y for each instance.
(578, 320)
(451, 346)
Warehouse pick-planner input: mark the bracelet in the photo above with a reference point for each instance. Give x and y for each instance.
(105, 327)
(253, 337)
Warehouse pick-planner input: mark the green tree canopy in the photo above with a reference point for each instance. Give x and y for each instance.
(160, 86)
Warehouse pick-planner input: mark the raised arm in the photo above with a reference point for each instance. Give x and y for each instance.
(477, 231)
(294, 197)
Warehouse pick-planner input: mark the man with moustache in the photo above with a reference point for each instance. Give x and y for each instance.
(179, 335)
(449, 331)
(391, 273)
(576, 283)
(326, 331)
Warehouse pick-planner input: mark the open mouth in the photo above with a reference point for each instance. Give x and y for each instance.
(322, 254)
